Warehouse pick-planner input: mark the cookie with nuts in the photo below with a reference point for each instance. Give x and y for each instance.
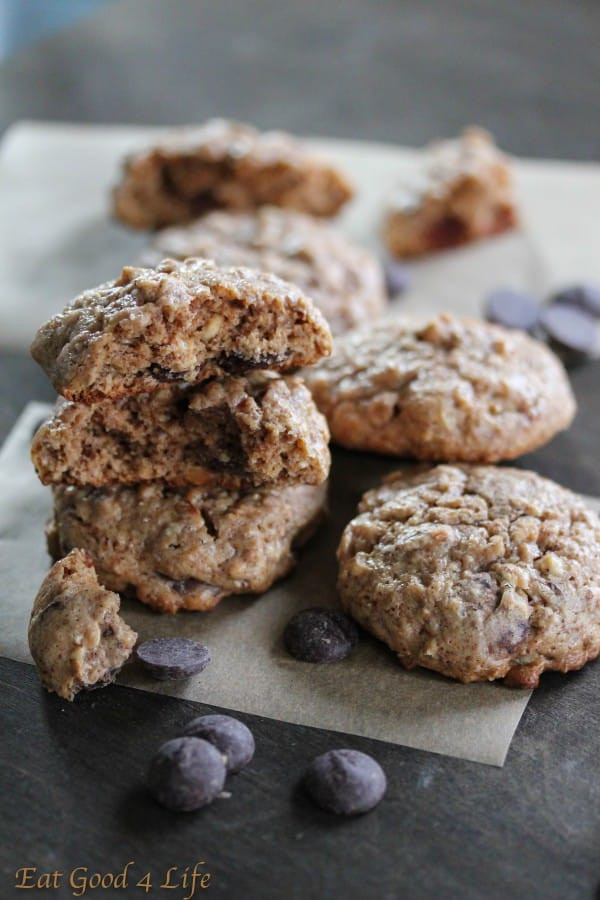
(178, 322)
(450, 389)
(186, 548)
(476, 572)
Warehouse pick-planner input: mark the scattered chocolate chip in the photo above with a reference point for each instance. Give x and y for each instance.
(513, 309)
(320, 635)
(397, 277)
(345, 782)
(186, 773)
(230, 736)
(173, 658)
(572, 331)
(582, 296)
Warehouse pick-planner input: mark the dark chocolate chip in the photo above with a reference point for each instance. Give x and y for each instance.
(235, 363)
(397, 277)
(513, 309)
(173, 658)
(320, 635)
(345, 782)
(230, 736)
(572, 331)
(186, 774)
(582, 296)
(165, 376)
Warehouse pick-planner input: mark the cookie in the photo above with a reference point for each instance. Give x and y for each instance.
(247, 430)
(76, 636)
(345, 281)
(477, 572)
(463, 193)
(450, 390)
(183, 321)
(188, 548)
(224, 165)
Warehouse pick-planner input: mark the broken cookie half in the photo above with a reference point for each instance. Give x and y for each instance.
(76, 636)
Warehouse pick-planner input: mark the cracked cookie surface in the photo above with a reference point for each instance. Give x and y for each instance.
(186, 548)
(452, 389)
(224, 165)
(76, 636)
(476, 572)
(250, 430)
(185, 321)
(344, 280)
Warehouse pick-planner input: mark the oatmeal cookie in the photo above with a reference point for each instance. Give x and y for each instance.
(76, 636)
(464, 193)
(186, 548)
(450, 390)
(183, 321)
(224, 165)
(343, 280)
(250, 430)
(477, 572)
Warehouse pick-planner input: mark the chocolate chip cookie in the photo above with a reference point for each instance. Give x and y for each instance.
(224, 165)
(477, 572)
(76, 636)
(186, 548)
(247, 430)
(450, 390)
(463, 193)
(345, 281)
(183, 321)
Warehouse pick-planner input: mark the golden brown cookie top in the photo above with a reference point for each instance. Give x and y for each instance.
(478, 572)
(451, 389)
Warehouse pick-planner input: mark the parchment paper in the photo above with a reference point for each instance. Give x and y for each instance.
(58, 240)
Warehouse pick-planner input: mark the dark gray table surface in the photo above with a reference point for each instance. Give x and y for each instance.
(71, 775)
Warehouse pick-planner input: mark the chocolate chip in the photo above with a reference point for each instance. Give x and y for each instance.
(582, 296)
(230, 736)
(513, 309)
(173, 658)
(186, 774)
(397, 277)
(572, 331)
(320, 635)
(165, 376)
(235, 363)
(345, 782)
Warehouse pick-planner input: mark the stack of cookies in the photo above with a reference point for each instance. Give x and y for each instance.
(183, 459)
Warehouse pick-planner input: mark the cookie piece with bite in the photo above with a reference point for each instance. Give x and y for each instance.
(248, 430)
(463, 193)
(76, 636)
(224, 165)
(180, 322)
